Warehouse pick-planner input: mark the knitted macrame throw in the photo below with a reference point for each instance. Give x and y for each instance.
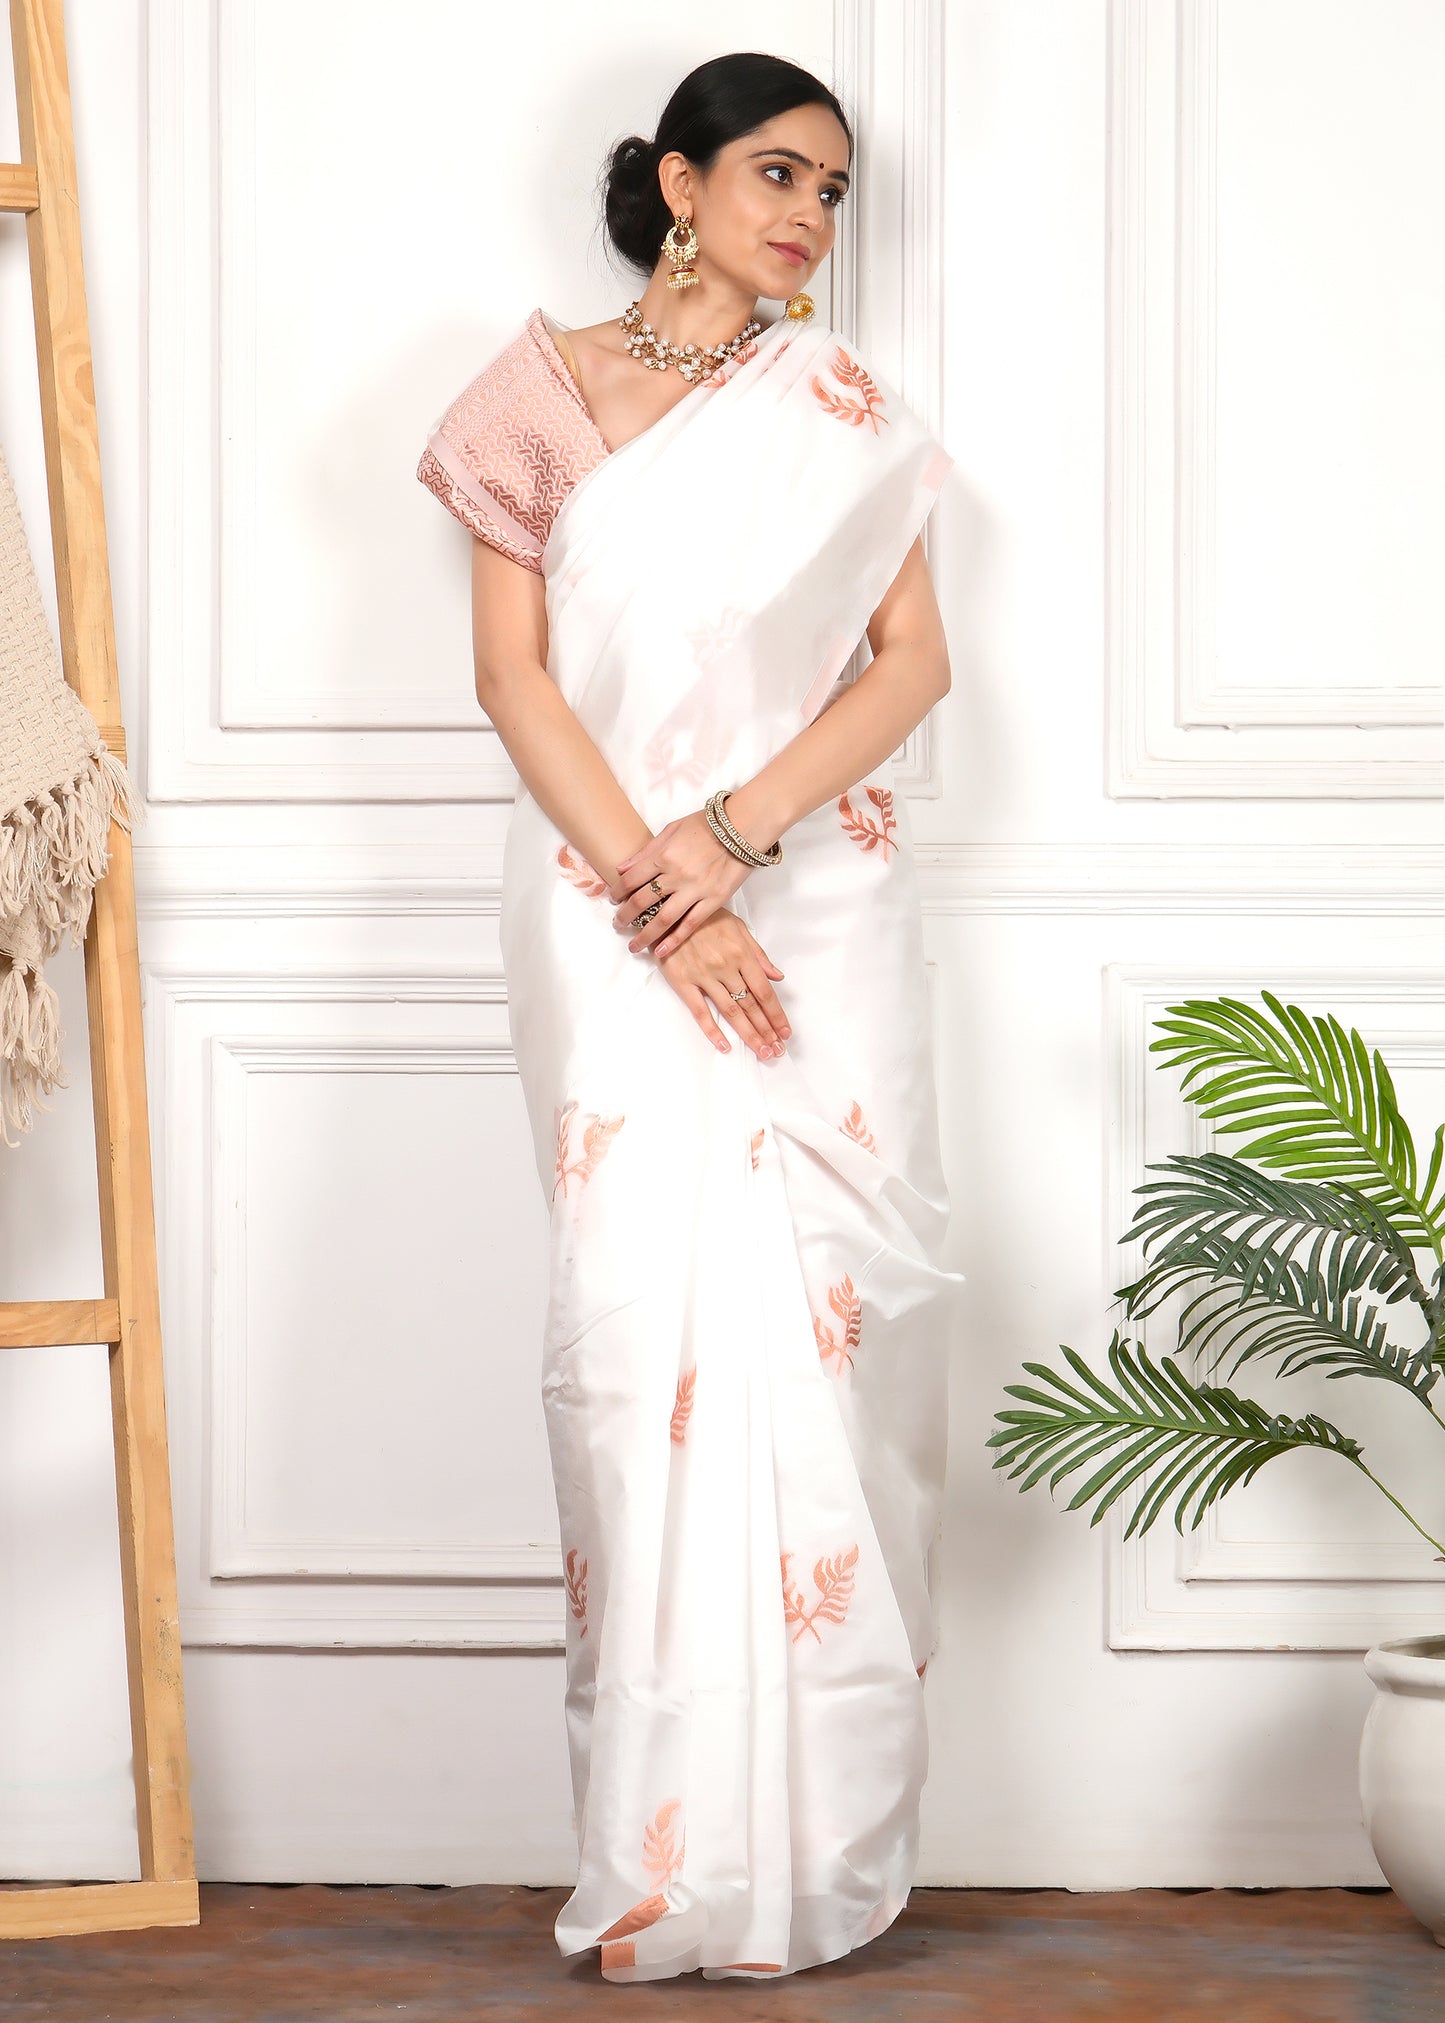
(59, 788)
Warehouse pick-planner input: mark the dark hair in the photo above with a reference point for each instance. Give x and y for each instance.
(718, 102)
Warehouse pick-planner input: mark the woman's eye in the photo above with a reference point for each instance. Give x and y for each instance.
(832, 190)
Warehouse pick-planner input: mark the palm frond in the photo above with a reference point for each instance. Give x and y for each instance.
(1210, 1193)
(1307, 1329)
(1321, 1102)
(1283, 1267)
(1203, 1437)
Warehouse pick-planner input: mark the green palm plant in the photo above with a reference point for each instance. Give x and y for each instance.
(1299, 1262)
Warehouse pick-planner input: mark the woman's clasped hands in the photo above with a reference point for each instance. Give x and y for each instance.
(704, 949)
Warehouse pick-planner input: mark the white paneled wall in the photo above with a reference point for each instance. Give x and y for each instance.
(1277, 415)
(1159, 276)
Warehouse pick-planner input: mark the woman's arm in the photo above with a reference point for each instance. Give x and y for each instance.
(868, 720)
(560, 766)
(574, 786)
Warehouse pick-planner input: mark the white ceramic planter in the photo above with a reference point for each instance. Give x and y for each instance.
(1402, 1773)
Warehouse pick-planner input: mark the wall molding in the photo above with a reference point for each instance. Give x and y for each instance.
(1177, 726)
(888, 259)
(198, 496)
(236, 1550)
(220, 881)
(240, 1585)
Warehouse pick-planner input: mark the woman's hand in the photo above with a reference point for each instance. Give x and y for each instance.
(716, 959)
(697, 873)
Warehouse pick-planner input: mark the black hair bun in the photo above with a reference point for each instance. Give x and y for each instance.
(637, 218)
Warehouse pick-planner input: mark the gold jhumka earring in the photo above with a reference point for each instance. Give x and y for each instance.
(800, 307)
(681, 253)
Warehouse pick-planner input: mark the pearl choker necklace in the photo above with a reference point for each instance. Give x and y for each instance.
(691, 360)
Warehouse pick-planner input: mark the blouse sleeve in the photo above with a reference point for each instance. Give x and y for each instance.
(470, 464)
(509, 448)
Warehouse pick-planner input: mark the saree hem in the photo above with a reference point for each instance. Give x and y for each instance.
(624, 1966)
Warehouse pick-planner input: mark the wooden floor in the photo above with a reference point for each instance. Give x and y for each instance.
(311, 1953)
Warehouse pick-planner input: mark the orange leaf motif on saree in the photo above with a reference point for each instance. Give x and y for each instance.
(833, 1579)
(868, 407)
(580, 872)
(660, 1854)
(597, 1134)
(860, 825)
(659, 1859)
(847, 1305)
(577, 1588)
(757, 1144)
(665, 767)
(682, 1409)
(853, 1126)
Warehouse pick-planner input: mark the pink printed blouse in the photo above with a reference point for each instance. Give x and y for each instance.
(512, 445)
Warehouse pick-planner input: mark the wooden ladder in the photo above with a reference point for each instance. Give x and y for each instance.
(127, 1318)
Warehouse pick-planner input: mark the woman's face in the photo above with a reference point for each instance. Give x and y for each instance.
(778, 187)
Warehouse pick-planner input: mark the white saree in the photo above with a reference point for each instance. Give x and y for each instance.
(744, 1361)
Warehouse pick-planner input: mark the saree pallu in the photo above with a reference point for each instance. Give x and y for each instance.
(744, 1356)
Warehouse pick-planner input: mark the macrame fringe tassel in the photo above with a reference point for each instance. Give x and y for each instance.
(54, 848)
(29, 1047)
(53, 851)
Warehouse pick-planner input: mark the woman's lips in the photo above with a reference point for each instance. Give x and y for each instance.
(792, 254)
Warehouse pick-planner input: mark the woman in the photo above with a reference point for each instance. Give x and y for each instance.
(685, 522)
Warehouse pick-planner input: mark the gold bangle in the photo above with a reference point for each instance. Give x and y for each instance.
(731, 838)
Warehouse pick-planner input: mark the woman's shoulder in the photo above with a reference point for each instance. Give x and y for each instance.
(523, 394)
(524, 370)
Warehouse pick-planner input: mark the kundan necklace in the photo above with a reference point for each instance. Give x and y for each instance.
(691, 360)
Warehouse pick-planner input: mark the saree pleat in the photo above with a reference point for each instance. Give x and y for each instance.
(744, 1354)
